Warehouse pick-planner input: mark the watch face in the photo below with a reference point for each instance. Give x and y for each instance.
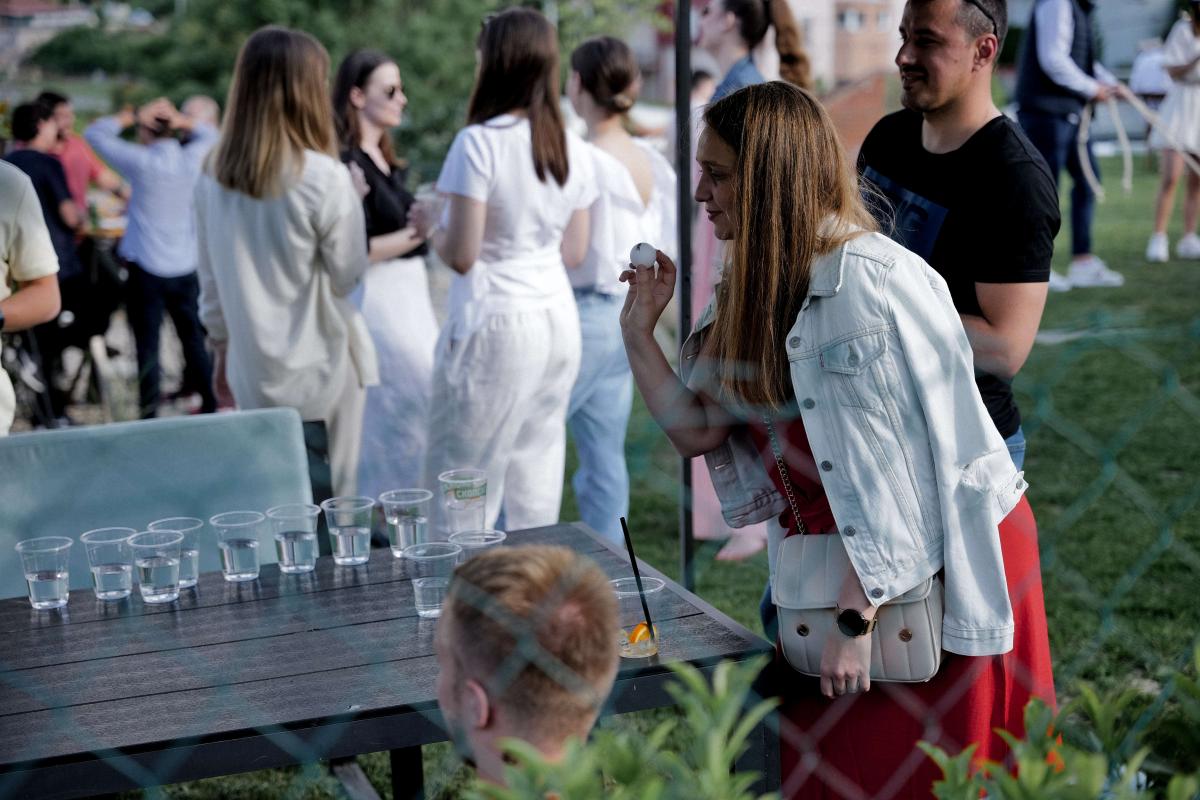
(851, 622)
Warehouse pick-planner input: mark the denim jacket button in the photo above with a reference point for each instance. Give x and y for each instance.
(849, 530)
(877, 593)
(827, 466)
(809, 403)
(794, 341)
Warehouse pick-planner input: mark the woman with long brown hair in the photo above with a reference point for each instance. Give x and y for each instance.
(282, 245)
(830, 388)
(368, 102)
(518, 188)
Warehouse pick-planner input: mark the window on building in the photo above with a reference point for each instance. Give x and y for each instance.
(850, 20)
(883, 22)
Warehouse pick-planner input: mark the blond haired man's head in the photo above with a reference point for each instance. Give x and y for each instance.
(526, 649)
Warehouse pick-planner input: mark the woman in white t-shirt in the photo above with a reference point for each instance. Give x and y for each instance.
(518, 188)
(281, 246)
(635, 203)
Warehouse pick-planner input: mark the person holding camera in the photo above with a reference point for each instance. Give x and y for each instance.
(159, 246)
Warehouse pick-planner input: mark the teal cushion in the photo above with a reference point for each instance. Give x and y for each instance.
(65, 482)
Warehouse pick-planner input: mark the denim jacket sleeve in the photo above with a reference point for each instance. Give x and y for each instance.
(977, 482)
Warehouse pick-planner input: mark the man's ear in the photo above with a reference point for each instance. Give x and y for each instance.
(987, 52)
(477, 707)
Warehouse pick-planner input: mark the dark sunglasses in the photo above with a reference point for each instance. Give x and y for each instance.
(986, 13)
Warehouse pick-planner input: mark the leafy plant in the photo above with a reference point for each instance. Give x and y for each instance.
(716, 724)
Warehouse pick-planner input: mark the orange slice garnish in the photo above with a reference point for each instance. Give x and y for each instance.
(640, 633)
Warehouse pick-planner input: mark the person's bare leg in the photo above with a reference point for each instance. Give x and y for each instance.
(1191, 203)
(1172, 165)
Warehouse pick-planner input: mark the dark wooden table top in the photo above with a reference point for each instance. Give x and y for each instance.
(99, 697)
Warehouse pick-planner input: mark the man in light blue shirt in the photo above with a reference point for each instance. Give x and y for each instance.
(160, 239)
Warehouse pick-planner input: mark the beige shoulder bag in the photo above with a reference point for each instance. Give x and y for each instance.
(906, 644)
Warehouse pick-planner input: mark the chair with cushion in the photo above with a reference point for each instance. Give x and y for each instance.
(65, 482)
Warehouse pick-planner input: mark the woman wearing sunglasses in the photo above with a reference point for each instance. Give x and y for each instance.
(368, 102)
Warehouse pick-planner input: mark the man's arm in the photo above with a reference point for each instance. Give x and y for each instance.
(1003, 336)
(104, 135)
(33, 303)
(1055, 31)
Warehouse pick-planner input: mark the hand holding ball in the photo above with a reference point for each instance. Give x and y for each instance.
(643, 255)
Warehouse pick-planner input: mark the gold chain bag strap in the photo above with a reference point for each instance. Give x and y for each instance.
(906, 645)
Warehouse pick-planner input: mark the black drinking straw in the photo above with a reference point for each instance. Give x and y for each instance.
(637, 577)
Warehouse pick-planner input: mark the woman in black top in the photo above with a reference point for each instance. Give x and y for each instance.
(368, 101)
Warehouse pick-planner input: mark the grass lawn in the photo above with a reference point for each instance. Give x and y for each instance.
(1111, 412)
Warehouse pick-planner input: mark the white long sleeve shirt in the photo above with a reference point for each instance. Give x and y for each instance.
(1055, 31)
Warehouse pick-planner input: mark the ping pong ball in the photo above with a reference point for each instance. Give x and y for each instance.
(642, 255)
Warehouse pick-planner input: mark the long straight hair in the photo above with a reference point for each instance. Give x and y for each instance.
(518, 69)
(795, 199)
(278, 107)
(354, 72)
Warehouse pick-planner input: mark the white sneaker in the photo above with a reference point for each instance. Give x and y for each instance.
(1059, 283)
(1157, 250)
(1188, 247)
(1093, 272)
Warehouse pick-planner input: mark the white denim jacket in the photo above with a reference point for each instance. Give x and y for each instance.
(916, 474)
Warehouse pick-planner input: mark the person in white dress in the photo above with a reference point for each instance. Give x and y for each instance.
(1180, 131)
(635, 203)
(518, 189)
(282, 246)
(368, 102)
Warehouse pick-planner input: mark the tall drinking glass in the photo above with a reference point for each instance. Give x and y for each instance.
(349, 521)
(434, 563)
(407, 514)
(237, 537)
(189, 551)
(46, 561)
(111, 560)
(295, 529)
(156, 556)
(464, 499)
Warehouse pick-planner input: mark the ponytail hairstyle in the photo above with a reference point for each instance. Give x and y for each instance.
(608, 72)
(753, 18)
(354, 73)
(796, 198)
(518, 69)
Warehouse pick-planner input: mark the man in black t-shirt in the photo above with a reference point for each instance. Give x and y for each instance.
(958, 183)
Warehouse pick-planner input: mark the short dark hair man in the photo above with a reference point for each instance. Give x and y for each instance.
(526, 649)
(1059, 75)
(970, 194)
(82, 167)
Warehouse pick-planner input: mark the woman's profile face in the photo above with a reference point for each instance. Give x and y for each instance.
(715, 192)
(383, 101)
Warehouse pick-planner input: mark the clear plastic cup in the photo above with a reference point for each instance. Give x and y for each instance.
(189, 551)
(156, 560)
(294, 527)
(349, 522)
(634, 637)
(464, 499)
(46, 562)
(434, 564)
(238, 534)
(406, 512)
(111, 560)
(475, 542)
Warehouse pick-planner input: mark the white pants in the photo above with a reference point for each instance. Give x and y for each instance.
(344, 425)
(500, 404)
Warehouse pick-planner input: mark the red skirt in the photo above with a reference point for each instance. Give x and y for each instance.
(864, 745)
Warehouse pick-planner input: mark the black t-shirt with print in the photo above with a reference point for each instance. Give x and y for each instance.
(984, 213)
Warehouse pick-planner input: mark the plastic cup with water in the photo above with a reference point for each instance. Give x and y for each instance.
(238, 535)
(434, 564)
(189, 551)
(294, 527)
(475, 542)
(634, 637)
(464, 499)
(111, 559)
(406, 512)
(45, 561)
(156, 561)
(349, 522)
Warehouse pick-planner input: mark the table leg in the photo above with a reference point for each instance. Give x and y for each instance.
(763, 755)
(408, 775)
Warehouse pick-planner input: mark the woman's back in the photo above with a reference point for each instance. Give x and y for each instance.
(274, 274)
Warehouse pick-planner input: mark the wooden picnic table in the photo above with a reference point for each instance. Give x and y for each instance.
(288, 669)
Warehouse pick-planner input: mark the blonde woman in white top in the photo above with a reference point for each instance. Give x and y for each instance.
(518, 188)
(282, 243)
(636, 203)
(1180, 131)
